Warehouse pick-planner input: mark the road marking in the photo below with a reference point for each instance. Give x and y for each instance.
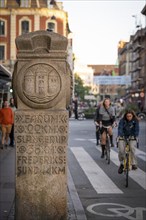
(80, 139)
(140, 154)
(80, 214)
(99, 180)
(139, 176)
(116, 210)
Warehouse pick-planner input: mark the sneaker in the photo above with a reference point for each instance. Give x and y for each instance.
(102, 155)
(134, 167)
(120, 170)
(2, 146)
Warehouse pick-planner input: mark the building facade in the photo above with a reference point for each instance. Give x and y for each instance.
(132, 61)
(105, 90)
(22, 16)
(18, 17)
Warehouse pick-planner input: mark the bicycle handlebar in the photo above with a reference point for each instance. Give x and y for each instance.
(127, 139)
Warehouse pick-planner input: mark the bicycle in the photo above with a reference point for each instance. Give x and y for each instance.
(108, 144)
(127, 159)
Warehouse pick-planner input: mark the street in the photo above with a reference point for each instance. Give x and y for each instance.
(101, 191)
(95, 189)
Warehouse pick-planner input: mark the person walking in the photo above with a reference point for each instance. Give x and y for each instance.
(11, 136)
(107, 118)
(97, 124)
(75, 108)
(6, 121)
(128, 128)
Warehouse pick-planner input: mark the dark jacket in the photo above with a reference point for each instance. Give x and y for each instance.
(128, 128)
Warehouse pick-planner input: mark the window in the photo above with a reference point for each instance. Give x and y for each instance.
(51, 26)
(25, 3)
(2, 3)
(24, 27)
(2, 27)
(2, 52)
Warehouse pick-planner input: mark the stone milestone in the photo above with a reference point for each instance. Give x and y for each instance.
(42, 84)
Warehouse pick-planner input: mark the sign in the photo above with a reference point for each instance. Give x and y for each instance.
(112, 80)
(90, 97)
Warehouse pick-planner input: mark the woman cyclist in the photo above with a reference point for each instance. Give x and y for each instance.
(128, 128)
(107, 118)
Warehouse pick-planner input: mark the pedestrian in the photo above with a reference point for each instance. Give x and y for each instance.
(97, 123)
(6, 121)
(12, 106)
(75, 108)
(107, 118)
(128, 128)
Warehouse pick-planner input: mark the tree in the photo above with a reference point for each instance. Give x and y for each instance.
(80, 89)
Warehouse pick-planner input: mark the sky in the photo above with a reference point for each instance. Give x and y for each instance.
(98, 25)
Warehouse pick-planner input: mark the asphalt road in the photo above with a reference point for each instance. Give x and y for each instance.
(99, 191)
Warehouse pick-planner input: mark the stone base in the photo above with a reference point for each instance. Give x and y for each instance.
(41, 175)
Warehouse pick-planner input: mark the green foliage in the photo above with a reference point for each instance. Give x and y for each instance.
(90, 112)
(130, 106)
(80, 89)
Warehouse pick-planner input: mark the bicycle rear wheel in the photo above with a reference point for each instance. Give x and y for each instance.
(108, 152)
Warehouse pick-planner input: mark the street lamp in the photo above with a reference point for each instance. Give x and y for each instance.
(136, 94)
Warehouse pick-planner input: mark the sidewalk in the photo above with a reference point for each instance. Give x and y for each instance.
(7, 189)
(7, 183)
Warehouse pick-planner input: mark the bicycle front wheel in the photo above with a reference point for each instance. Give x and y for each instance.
(127, 169)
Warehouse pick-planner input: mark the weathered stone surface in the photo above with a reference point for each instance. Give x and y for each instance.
(42, 78)
(42, 84)
(41, 140)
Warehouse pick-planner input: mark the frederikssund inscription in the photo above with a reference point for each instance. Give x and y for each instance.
(45, 164)
(41, 160)
(51, 170)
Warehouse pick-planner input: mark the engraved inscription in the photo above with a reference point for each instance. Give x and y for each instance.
(41, 141)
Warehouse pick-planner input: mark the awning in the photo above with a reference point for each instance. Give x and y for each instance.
(5, 75)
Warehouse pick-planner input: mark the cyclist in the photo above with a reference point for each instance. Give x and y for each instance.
(107, 118)
(128, 128)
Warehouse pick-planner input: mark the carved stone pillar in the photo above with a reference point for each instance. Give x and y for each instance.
(42, 84)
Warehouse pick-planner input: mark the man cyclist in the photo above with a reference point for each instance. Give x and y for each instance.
(128, 128)
(107, 118)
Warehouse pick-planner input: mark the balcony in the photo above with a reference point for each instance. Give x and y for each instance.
(137, 46)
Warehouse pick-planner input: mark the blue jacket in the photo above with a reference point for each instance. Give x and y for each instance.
(128, 128)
